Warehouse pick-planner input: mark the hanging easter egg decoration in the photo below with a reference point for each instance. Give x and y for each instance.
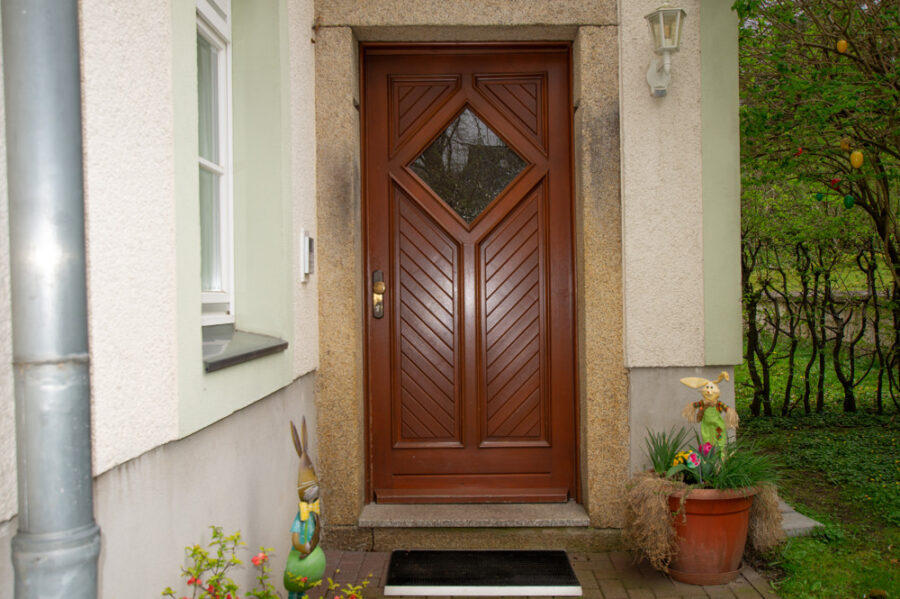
(835, 182)
(820, 196)
(845, 144)
(849, 201)
(856, 159)
(842, 46)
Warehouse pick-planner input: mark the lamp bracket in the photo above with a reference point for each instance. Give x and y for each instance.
(659, 74)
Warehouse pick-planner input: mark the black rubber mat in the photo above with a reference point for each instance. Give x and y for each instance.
(481, 573)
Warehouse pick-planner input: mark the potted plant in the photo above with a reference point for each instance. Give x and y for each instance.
(690, 515)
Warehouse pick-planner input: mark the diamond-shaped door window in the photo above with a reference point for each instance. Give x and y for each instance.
(468, 165)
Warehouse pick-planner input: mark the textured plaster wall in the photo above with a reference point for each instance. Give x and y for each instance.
(721, 183)
(302, 103)
(7, 403)
(662, 196)
(239, 473)
(130, 226)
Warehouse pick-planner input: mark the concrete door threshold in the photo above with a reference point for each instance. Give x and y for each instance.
(473, 515)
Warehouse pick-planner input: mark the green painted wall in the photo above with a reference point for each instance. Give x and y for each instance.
(721, 183)
(262, 211)
(262, 215)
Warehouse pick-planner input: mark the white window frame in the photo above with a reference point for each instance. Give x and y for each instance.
(214, 25)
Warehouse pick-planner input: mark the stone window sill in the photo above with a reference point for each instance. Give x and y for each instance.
(225, 346)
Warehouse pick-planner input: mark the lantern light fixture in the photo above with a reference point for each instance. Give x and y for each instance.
(665, 29)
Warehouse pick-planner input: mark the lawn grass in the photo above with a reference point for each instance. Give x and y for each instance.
(844, 471)
(865, 391)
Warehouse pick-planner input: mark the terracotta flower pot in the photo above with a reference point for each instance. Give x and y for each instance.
(712, 531)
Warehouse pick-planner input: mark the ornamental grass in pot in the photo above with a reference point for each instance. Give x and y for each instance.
(690, 516)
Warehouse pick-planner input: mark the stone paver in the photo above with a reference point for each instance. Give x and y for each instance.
(794, 523)
(611, 575)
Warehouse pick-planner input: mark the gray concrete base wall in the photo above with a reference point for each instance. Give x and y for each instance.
(657, 397)
(239, 473)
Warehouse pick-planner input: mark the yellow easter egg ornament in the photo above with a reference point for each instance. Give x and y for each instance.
(845, 144)
(856, 159)
(842, 46)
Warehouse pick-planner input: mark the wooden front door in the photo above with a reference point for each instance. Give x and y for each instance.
(468, 225)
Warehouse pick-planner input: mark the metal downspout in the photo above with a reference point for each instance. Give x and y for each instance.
(55, 550)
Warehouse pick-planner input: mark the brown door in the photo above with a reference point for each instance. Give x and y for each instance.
(468, 222)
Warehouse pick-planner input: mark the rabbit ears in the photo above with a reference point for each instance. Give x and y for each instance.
(301, 442)
(695, 382)
(306, 476)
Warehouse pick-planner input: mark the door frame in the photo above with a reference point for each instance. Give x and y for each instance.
(464, 47)
(603, 377)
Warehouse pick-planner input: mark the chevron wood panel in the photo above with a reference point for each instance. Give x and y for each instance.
(522, 99)
(470, 369)
(427, 266)
(414, 99)
(514, 360)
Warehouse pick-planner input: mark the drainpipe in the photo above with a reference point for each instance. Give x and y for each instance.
(55, 550)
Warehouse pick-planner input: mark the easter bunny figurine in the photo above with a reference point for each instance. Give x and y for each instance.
(306, 561)
(713, 415)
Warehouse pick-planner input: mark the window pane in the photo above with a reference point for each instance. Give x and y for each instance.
(208, 99)
(210, 241)
(468, 165)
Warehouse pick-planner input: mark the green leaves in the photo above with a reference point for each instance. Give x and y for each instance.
(740, 465)
(797, 91)
(663, 446)
(841, 467)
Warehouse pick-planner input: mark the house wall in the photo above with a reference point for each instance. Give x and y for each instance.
(680, 192)
(648, 277)
(662, 196)
(149, 388)
(603, 383)
(140, 144)
(264, 240)
(656, 261)
(239, 473)
(682, 217)
(130, 203)
(301, 101)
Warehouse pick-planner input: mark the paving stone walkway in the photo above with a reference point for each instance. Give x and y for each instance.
(602, 575)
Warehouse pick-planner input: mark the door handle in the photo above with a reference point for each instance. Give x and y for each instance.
(378, 289)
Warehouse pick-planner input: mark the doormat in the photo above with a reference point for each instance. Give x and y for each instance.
(481, 574)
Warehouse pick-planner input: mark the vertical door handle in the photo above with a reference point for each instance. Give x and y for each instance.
(378, 289)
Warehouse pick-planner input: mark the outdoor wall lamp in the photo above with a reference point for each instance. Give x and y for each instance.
(665, 28)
